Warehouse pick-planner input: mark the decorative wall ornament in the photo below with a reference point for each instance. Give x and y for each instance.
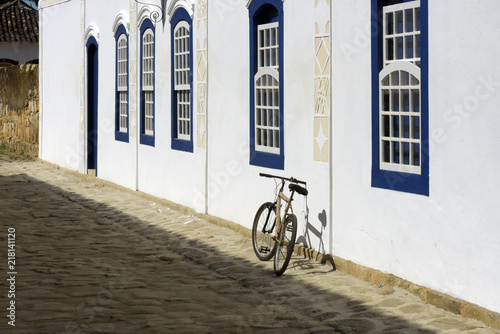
(249, 2)
(155, 15)
(188, 5)
(202, 70)
(121, 19)
(322, 79)
(91, 31)
(133, 51)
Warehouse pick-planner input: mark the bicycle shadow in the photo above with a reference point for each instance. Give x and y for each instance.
(313, 232)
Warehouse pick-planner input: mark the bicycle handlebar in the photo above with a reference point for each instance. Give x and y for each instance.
(282, 178)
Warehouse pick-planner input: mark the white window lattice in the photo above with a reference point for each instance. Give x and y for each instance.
(149, 113)
(267, 90)
(268, 45)
(400, 118)
(182, 69)
(267, 111)
(148, 59)
(402, 32)
(399, 91)
(122, 82)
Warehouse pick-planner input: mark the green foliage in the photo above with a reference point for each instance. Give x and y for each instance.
(8, 155)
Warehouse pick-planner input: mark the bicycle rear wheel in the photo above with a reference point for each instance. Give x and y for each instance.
(285, 247)
(264, 224)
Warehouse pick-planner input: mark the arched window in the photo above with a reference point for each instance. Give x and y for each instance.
(266, 86)
(182, 59)
(267, 111)
(400, 113)
(122, 95)
(147, 83)
(400, 137)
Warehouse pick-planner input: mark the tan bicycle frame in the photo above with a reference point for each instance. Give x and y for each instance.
(280, 222)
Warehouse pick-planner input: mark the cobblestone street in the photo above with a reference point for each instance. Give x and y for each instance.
(94, 258)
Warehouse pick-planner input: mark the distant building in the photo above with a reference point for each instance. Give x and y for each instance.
(18, 34)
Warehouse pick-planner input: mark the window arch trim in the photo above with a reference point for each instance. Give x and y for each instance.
(175, 5)
(121, 21)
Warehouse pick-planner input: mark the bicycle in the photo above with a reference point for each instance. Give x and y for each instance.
(273, 233)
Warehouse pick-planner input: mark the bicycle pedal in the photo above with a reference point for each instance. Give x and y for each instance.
(264, 249)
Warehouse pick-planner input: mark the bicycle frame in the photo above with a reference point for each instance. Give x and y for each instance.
(280, 222)
(281, 242)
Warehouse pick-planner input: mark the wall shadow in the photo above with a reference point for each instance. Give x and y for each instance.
(87, 267)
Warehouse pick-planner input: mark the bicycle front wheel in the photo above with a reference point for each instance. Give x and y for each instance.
(264, 224)
(284, 249)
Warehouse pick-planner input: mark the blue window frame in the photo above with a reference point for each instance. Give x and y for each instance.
(182, 83)
(266, 84)
(122, 86)
(147, 126)
(400, 99)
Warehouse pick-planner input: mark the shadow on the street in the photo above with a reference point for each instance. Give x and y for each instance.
(84, 266)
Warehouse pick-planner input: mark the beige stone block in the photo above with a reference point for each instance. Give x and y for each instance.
(317, 126)
(322, 96)
(202, 106)
(321, 142)
(202, 9)
(317, 152)
(201, 120)
(202, 140)
(322, 46)
(324, 152)
(202, 65)
(443, 301)
(486, 316)
(133, 71)
(325, 126)
(201, 131)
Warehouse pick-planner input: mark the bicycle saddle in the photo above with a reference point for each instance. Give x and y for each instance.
(297, 188)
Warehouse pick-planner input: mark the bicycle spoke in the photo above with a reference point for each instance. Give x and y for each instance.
(285, 246)
(263, 232)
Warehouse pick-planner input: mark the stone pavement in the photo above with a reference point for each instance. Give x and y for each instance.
(94, 258)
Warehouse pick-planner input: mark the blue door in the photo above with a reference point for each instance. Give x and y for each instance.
(92, 89)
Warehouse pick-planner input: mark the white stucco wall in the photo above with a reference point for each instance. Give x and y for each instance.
(156, 170)
(60, 84)
(116, 159)
(163, 171)
(449, 240)
(235, 189)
